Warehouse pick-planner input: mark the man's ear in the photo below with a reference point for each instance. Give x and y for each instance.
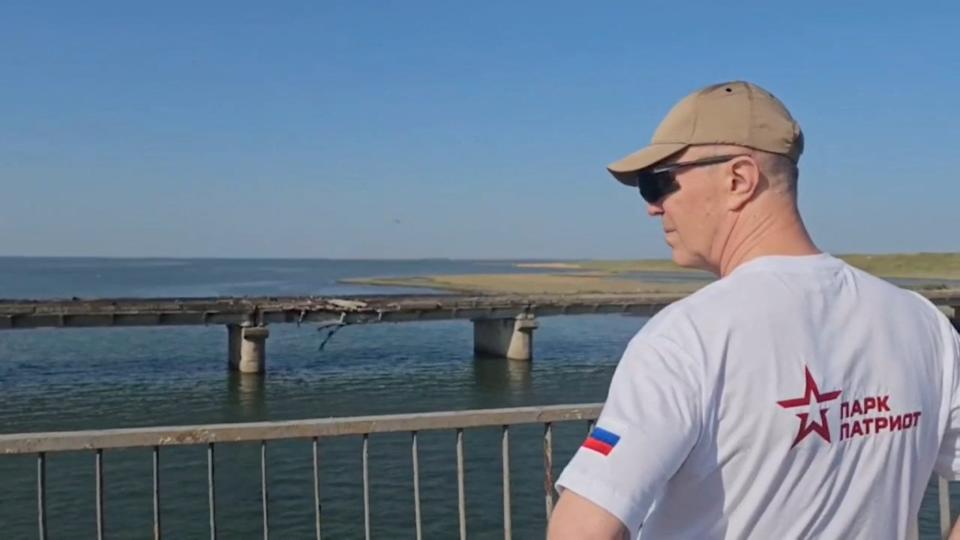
(743, 182)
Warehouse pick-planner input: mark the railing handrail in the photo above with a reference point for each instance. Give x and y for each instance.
(65, 441)
(315, 429)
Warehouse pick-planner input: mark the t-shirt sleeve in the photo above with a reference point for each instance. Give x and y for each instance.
(648, 426)
(948, 459)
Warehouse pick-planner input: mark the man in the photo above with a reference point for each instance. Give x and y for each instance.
(796, 396)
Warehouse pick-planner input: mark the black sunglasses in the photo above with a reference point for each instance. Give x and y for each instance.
(658, 182)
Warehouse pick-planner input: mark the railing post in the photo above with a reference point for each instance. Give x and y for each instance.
(416, 485)
(943, 489)
(212, 491)
(366, 486)
(99, 473)
(461, 493)
(316, 482)
(507, 517)
(264, 491)
(156, 493)
(548, 468)
(42, 496)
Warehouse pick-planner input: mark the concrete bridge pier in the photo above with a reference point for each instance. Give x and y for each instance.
(247, 348)
(505, 338)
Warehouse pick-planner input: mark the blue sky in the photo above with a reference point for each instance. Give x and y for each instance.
(448, 129)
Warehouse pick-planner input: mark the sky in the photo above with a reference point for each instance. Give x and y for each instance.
(424, 129)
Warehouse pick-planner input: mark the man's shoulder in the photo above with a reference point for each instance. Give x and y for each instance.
(681, 323)
(755, 293)
(704, 302)
(893, 297)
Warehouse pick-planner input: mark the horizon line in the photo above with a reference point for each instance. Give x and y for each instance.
(409, 259)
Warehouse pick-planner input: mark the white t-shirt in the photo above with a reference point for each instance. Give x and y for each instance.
(798, 397)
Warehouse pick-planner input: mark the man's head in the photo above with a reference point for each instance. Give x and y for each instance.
(722, 164)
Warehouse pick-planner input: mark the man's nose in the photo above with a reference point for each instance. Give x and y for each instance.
(654, 209)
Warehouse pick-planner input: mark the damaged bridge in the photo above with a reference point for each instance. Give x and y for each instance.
(503, 325)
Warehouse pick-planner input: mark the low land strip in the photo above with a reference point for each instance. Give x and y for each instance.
(938, 271)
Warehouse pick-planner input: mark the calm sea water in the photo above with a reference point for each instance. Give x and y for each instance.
(105, 378)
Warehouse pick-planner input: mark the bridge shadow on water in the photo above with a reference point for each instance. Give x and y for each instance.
(247, 392)
(498, 374)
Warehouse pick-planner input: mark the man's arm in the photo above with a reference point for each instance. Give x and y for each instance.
(955, 532)
(949, 446)
(575, 517)
(648, 426)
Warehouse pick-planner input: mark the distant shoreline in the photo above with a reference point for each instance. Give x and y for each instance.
(945, 266)
(626, 277)
(531, 283)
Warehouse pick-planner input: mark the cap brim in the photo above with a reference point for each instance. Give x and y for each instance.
(625, 169)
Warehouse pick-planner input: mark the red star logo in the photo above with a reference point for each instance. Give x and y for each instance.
(806, 425)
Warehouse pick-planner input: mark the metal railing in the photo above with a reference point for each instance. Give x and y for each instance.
(212, 435)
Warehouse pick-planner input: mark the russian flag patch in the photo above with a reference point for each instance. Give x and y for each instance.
(601, 440)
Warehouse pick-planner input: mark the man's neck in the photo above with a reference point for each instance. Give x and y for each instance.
(777, 231)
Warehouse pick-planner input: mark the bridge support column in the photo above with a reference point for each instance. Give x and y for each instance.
(956, 317)
(247, 348)
(233, 346)
(505, 338)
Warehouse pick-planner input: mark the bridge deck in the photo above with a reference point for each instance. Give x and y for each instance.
(15, 314)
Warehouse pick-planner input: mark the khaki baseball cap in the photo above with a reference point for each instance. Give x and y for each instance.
(735, 112)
